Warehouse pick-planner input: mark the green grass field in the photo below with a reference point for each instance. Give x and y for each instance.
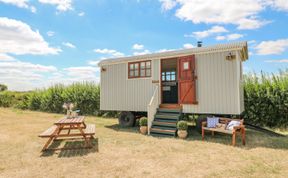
(120, 152)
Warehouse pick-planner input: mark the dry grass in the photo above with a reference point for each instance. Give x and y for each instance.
(125, 153)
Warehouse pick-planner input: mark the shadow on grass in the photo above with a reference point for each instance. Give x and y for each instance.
(118, 128)
(254, 139)
(71, 148)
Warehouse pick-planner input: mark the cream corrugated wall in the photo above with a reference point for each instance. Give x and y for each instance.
(123, 94)
(217, 85)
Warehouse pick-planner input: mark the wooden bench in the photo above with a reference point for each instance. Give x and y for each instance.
(89, 131)
(221, 128)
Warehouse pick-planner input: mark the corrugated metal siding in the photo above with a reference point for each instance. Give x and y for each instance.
(118, 93)
(217, 85)
(241, 85)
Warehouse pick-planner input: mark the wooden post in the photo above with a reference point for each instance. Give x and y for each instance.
(243, 136)
(234, 137)
(203, 133)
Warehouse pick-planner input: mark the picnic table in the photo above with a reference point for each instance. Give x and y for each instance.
(76, 125)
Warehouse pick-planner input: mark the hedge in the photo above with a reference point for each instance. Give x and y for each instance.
(266, 100)
(265, 97)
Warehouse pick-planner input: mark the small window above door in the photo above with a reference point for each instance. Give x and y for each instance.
(169, 76)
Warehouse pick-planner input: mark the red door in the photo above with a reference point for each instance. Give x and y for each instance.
(187, 80)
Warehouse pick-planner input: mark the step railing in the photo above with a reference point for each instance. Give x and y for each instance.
(152, 107)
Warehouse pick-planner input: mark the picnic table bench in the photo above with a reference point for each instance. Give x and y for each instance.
(222, 129)
(55, 132)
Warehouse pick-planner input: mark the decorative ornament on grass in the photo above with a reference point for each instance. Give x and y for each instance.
(69, 107)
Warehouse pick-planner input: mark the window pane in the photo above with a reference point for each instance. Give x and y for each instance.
(136, 73)
(131, 73)
(168, 73)
(148, 72)
(172, 77)
(163, 77)
(131, 66)
(142, 65)
(136, 65)
(173, 73)
(148, 64)
(186, 65)
(142, 73)
(168, 77)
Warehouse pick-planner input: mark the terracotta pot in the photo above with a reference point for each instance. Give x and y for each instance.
(182, 134)
(143, 129)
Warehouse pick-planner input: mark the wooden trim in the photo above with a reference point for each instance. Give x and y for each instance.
(139, 69)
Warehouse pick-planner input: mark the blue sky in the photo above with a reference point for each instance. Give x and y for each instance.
(43, 42)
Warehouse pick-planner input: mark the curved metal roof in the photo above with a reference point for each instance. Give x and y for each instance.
(241, 46)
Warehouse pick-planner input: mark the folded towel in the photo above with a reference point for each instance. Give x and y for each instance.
(232, 124)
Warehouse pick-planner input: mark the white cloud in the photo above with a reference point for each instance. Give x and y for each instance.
(164, 50)
(17, 37)
(146, 51)
(83, 73)
(26, 66)
(230, 37)
(206, 33)
(23, 76)
(20, 3)
(111, 52)
(220, 37)
(188, 46)
(5, 57)
(94, 63)
(69, 45)
(167, 4)
(272, 47)
(61, 5)
(138, 46)
(278, 61)
(50, 33)
(81, 14)
(243, 13)
(33, 9)
(281, 5)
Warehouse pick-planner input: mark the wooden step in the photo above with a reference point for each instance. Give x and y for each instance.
(170, 124)
(162, 131)
(170, 106)
(164, 127)
(166, 120)
(163, 110)
(167, 116)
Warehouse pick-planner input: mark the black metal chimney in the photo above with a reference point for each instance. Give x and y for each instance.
(199, 44)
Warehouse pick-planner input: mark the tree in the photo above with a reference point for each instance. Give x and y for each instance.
(3, 87)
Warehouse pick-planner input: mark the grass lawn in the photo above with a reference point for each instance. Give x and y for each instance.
(120, 152)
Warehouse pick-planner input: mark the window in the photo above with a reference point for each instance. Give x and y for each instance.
(139, 69)
(169, 76)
